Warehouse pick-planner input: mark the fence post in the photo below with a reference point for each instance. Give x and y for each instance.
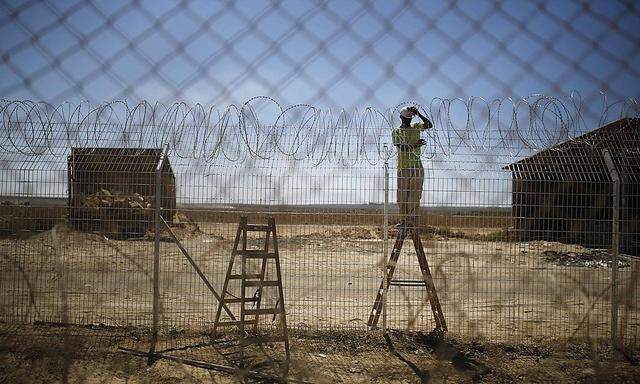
(156, 255)
(615, 243)
(385, 242)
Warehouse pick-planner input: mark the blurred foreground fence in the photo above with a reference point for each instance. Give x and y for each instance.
(530, 214)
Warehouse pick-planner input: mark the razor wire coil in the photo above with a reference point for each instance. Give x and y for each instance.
(263, 129)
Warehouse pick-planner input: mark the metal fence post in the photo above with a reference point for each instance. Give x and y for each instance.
(385, 242)
(615, 243)
(156, 255)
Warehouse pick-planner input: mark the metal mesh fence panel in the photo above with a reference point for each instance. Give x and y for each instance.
(120, 218)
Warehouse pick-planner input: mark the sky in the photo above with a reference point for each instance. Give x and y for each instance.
(335, 54)
(331, 55)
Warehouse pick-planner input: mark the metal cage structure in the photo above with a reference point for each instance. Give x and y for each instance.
(117, 186)
(564, 193)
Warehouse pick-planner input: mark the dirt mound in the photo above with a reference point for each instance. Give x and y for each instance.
(358, 233)
(183, 227)
(361, 233)
(183, 222)
(107, 199)
(431, 232)
(590, 258)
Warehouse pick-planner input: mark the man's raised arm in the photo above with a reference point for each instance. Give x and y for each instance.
(427, 123)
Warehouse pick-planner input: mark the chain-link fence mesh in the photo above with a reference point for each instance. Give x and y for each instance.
(331, 54)
(135, 135)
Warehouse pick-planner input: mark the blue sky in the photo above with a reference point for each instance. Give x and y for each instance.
(329, 54)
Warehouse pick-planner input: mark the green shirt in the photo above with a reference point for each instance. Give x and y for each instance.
(411, 135)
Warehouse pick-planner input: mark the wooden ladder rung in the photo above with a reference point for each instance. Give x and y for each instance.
(258, 227)
(256, 254)
(239, 300)
(247, 276)
(261, 256)
(266, 283)
(250, 316)
(263, 311)
(434, 301)
(407, 283)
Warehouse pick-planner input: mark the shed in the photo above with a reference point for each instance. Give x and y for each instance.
(565, 192)
(113, 190)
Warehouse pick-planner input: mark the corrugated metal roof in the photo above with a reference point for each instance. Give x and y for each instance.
(138, 160)
(581, 159)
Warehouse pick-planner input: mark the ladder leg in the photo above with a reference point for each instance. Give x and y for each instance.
(263, 269)
(374, 316)
(283, 314)
(246, 345)
(432, 294)
(243, 221)
(243, 292)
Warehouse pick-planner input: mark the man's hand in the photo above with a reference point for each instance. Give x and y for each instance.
(425, 121)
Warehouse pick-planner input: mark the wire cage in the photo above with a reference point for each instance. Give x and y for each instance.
(564, 193)
(112, 190)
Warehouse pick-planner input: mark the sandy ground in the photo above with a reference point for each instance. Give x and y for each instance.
(503, 291)
(80, 355)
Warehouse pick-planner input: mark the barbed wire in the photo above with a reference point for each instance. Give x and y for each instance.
(261, 128)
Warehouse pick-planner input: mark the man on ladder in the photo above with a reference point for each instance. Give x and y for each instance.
(410, 172)
(410, 180)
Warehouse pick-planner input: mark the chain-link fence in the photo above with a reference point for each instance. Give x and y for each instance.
(122, 217)
(330, 54)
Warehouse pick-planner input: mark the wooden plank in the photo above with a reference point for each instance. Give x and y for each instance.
(239, 300)
(263, 311)
(247, 276)
(265, 283)
(407, 283)
(254, 253)
(258, 227)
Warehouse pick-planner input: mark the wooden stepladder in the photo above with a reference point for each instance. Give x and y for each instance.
(243, 291)
(427, 280)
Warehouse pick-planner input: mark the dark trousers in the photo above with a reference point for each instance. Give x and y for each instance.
(410, 182)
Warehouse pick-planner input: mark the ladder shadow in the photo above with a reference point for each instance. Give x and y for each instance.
(424, 376)
(444, 350)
